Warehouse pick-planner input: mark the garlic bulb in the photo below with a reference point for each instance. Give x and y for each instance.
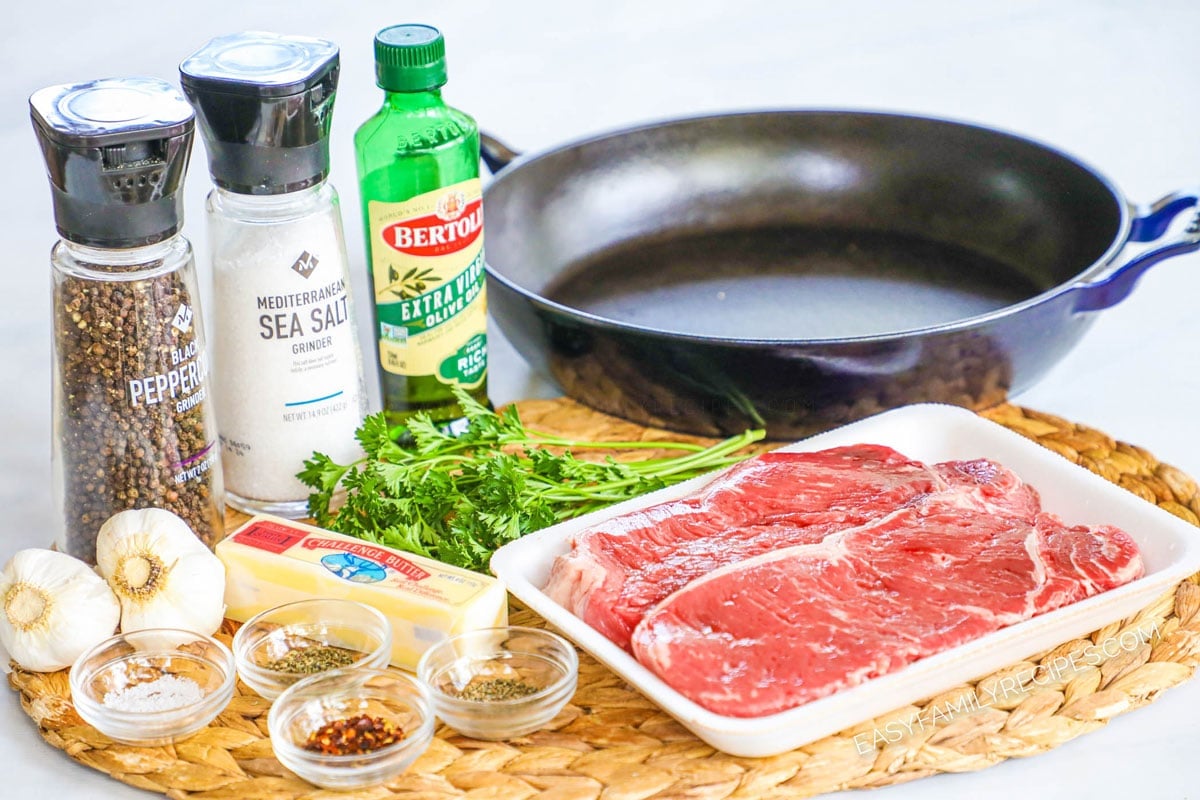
(161, 573)
(55, 607)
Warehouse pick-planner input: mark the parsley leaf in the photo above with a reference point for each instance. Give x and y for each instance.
(459, 498)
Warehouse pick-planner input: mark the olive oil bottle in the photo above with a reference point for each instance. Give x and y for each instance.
(418, 171)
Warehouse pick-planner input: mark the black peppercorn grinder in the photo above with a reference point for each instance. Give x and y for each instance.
(133, 426)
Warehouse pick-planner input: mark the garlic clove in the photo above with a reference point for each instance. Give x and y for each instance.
(54, 608)
(162, 574)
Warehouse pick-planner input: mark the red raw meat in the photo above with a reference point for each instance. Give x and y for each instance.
(620, 568)
(813, 619)
(1084, 565)
(988, 486)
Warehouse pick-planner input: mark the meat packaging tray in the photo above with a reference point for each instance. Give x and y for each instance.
(932, 433)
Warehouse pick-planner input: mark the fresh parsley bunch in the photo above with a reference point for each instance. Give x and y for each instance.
(459, 498)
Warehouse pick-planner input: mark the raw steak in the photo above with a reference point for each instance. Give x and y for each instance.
(619, 569)
(791, 626)
(622, 567)
(988, 486)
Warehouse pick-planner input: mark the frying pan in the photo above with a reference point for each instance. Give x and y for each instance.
(798, 270)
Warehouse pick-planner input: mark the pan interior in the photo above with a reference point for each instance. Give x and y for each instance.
(797, 226)
(789, 282)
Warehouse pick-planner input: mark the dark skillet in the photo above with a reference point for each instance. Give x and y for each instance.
(803, 269)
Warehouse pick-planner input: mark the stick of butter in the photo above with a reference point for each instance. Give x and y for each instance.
(270, 561)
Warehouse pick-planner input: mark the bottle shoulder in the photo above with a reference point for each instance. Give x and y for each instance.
(398, 129)
(124, 264)
(272, 209)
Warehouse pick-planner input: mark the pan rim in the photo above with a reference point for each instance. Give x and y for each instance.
(1081, 278)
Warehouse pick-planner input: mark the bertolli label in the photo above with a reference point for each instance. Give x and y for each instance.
(456, 225)
(427, 269)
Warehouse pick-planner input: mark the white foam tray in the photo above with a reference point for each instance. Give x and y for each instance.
(1170, 548)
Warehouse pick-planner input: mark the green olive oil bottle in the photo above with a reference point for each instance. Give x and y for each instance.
(418, 172)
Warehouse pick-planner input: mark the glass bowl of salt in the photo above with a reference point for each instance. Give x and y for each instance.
(153, 687)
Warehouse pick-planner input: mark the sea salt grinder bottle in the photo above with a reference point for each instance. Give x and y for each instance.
(287, 363)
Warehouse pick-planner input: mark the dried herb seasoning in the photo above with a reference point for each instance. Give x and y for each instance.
(497, 690)
(314, 659)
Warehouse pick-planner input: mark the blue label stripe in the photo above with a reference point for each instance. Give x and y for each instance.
(314, 400)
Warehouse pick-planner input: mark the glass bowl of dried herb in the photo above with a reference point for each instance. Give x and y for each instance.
(349, 728)
(500, 683)
(152, 687)
(288, 643)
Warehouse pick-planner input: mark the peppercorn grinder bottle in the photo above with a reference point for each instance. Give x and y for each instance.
(133, 426)
(418, 172)
(287, 364)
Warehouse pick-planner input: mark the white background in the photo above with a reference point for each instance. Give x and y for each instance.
(1114, 83)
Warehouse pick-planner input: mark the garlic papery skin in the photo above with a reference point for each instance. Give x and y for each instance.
(54, 608)
(163, 576)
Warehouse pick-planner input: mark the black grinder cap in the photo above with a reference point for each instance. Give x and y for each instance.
(116, 154)
(265, 103)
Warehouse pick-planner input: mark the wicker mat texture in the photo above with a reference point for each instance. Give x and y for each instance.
(611, 742)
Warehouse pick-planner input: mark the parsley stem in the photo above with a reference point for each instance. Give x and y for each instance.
(538, 439)
(459, 498)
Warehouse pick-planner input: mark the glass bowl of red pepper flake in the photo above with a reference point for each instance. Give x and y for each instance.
(349, 728)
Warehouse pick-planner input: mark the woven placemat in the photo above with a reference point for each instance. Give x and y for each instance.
(612, 742)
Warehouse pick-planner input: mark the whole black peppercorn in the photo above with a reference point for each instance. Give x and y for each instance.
(138, 432)
(132, 420)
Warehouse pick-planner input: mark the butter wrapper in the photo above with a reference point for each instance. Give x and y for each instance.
(270, 561)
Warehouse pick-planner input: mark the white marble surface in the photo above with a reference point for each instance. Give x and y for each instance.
(1112, 82)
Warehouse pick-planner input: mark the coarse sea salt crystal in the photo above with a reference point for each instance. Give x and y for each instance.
(164, 693)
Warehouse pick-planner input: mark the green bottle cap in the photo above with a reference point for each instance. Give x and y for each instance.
(410, 58)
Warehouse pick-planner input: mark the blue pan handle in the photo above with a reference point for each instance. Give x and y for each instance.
(1149, 224)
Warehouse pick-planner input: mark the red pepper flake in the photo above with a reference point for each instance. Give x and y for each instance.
(353, 736)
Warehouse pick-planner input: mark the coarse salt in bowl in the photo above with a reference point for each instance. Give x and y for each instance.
(153, 687)
(299, 714)
(500, 683)
(359, 632)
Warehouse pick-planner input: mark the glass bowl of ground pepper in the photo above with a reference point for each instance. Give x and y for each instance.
(153, 687)
(500, 683)
(288, 643)
(350, 728)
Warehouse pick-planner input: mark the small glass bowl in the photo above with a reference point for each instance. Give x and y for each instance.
(493, 660)
(106, 677)
(338, 694)
(304, 624)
